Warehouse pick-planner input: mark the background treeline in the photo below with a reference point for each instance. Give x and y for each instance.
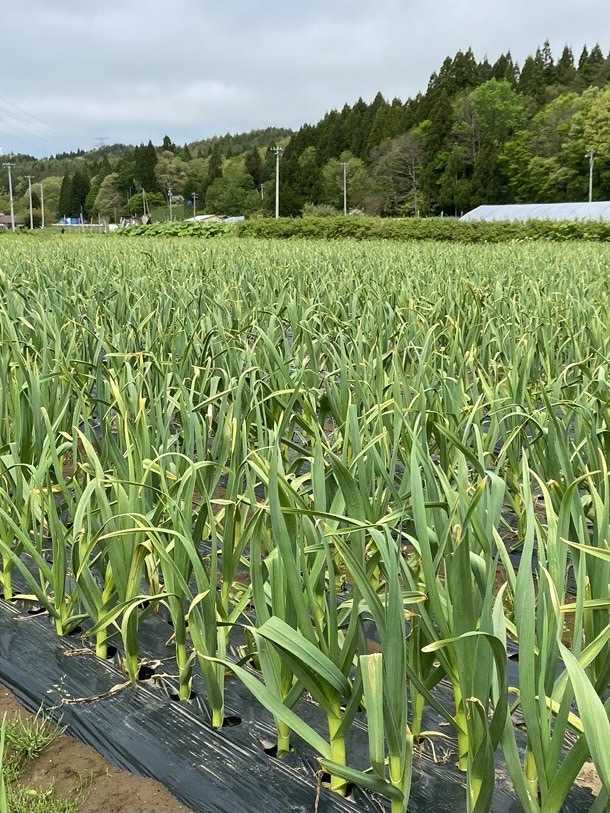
(480, 133)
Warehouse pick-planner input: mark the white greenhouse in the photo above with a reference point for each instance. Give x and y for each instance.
(596, 211)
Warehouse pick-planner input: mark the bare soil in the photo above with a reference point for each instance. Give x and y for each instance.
(74, 768)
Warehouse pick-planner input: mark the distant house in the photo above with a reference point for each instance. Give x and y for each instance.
(596, 211)
(5, 221)
(204, 219)
(215, 219)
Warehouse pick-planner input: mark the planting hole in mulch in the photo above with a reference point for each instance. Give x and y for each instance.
(146, 672)
(270, 747)
(349, 788)
(231, 721)
(36, 610)
(174, 695)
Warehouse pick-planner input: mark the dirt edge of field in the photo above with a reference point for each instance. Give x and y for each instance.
(75, 768)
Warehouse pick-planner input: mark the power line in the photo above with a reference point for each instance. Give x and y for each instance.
(8, 104)
(29, 177)
(278, 152)
(344, 165)
(10, 192)
(591, 156)
(41, 205)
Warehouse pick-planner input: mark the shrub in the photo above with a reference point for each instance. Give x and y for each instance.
(443, 229)
(178, 229)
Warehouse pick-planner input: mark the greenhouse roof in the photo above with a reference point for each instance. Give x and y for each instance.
(598, 210)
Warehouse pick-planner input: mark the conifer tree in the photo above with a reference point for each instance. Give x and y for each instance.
(144, 169)
(566, 70)
(548, 63)
(595, 66)
(532, 78)
(254, 166)
(79, 190)
(65, 198)
(583, 65)
(168, 144)
(215, 164)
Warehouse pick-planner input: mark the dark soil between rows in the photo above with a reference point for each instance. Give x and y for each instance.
(71, 766)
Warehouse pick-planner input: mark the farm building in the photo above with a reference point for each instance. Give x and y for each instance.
(5, 221)
(596, 211)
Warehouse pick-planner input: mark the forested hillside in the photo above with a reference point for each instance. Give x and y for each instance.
(481, 132)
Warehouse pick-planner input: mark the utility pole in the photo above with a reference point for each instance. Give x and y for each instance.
(195, 196)
(344, 165)
(171, 212)
(29, 177)
(278, 152)
(41, 205)
(591, 156)
(10, 193)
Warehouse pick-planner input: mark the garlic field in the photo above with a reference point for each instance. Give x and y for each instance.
(345, 473)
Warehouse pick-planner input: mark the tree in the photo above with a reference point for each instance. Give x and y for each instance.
(215, 164)
(268, 171)
(597, 125)
(52, 188)
(566, 70)
(358, 185)
(308, 178)
(254, 166)
(504, 68)
(499, 110)
(145, 165)
(64, 204)
(79, 191)
(548, 63)
(126, 171)
(232, 194)
(594, 66)
(397, 173)
(168, 145)
(135, 204)
(583, 67)
(94, 188)
(196, 179)
(110, 199)
(545, 161)
(532, 78)
(171, 173)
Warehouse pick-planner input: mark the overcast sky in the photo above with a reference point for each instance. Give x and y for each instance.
(77, 71)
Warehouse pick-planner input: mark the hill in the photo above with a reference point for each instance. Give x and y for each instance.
(479, 133)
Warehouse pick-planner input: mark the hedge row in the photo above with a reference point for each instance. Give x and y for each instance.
(376, 228)
(178, 229)
(445, 229)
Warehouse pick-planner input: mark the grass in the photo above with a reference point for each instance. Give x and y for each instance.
(372, 432)
(24, 740)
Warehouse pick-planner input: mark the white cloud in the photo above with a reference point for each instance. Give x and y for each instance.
(137, 70)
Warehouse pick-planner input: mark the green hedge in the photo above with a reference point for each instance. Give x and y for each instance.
(377, 228)
(178, 229)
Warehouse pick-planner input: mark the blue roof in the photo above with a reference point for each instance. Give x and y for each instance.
(598, 210)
